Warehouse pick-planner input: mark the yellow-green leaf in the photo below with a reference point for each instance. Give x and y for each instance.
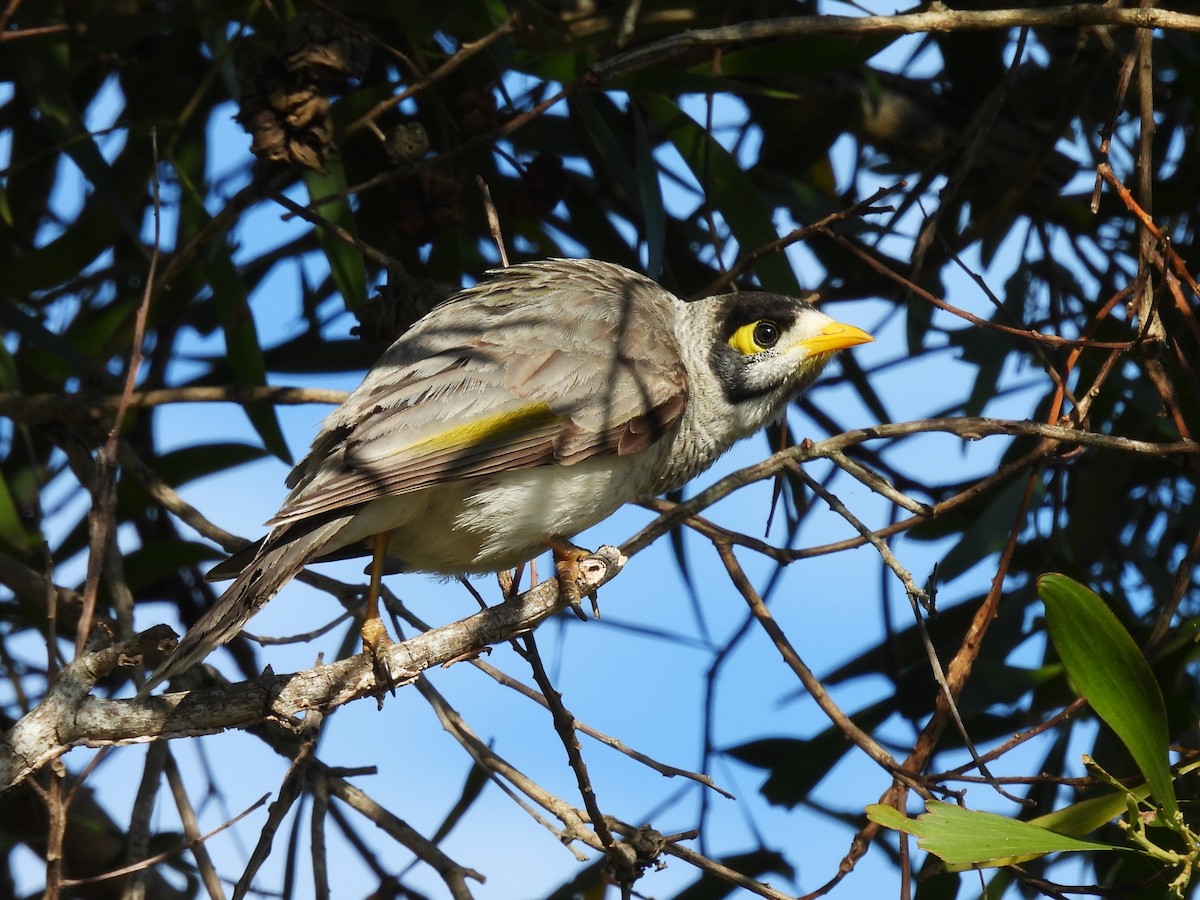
(1110, 672)
(968, 837)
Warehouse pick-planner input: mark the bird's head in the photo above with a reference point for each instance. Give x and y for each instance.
(760, 350)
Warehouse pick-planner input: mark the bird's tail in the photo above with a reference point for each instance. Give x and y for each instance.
(280, 558)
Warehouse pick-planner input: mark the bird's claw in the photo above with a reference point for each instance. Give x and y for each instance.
(580, 572)
(375, 640)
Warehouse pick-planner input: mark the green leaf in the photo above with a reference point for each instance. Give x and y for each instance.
(986, 534)
(791, 59)
(1110, 672)
(242, 348)
(43, 71)
(12, 527)
(6, 216)
(1088, 815)
(968, 837)
(345, 261)
(157, 563)
(654, 216)
(730, 190)
(796, 766)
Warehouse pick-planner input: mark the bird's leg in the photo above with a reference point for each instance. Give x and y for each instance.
(566, 564)
(374, 632)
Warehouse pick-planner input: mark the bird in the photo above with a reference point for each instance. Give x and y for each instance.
(513, 416)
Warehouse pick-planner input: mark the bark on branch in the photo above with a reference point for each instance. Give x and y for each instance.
(97, 408)
(70, 715)
(940, 19)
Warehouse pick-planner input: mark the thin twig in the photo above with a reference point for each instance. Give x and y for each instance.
(493, 220)
(1118, 106)
(564, 724)
(452, 874)
(941, 19)
(1017, 739)
(661, 768)
(138, 841)
(289, 793)
(191, 830)
(918, 598)
(508, 777)
(1177, 264)
(878, 484)
(102, 516)
(167, 854)
(748, 261)
(71, 408)
(810, 681)
(462, 55)
(970, 428)
(320, 856)
(1029, 334)
(309, 214)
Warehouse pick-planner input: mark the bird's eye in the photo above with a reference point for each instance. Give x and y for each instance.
(755, 337)
(766, 334)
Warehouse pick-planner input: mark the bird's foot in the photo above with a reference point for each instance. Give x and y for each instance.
(374, 632)
(579, 573)
(375, 640)
(566, 564)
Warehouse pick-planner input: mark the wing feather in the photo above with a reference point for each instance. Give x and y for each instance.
(493, 380)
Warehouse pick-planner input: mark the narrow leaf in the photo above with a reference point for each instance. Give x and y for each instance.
(654, 216)
(729, 188)
(970, 837)
(244, 351)
(1088, 815)
(345, 261)
(242, 347)
(1110, 672)
(12, 527)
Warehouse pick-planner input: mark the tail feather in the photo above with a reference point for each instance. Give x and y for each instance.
(280, 558)
(236, 563)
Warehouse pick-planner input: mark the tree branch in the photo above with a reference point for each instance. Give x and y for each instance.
(969, 428)
(85, 408)
(935, 20)
(71, 716)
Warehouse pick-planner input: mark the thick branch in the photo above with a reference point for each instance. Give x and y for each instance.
(71, 716)
(936, 20)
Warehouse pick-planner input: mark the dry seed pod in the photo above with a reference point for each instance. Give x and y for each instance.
(407, 142)
(288, 123)
(317, 47)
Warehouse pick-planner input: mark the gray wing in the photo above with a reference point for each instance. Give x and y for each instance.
(543, 364)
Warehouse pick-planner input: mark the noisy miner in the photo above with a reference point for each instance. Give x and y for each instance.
(516, 414)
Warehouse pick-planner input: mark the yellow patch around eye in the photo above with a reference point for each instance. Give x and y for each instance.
(743, 340)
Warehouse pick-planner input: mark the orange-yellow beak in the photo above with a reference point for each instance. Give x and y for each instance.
(835, 336)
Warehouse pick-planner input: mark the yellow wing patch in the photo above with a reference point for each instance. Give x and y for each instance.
(486, 429)
(478, 446)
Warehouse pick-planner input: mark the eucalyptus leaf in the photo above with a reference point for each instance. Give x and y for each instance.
(969, 837)
(1112, 675)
